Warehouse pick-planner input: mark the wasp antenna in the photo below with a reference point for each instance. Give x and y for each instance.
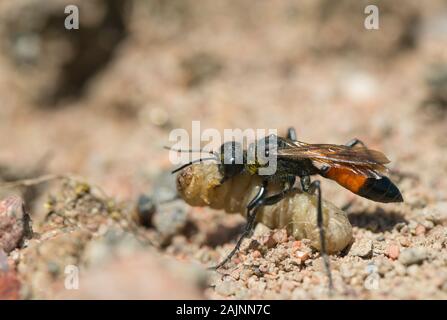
(191, 163)
(189, 150)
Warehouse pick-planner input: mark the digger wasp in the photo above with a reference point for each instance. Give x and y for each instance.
(353, 166)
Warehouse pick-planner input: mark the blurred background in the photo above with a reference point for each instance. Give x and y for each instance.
(100, 101)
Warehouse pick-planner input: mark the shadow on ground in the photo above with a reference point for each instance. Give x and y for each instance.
(377, 221)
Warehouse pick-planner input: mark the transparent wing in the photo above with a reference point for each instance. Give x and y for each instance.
(359, 159)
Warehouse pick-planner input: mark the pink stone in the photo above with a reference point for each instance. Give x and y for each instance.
(14, 223)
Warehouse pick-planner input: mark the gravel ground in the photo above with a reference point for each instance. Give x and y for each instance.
(160, 65)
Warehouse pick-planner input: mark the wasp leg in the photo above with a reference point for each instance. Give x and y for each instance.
(271, 200)
(305, 183)
(393, 172)
(315, 186)
(352, 143)
(291, 134)
(251, 217)
(252, 208)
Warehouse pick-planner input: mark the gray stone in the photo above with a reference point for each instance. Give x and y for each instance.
(362, 249)
(413, 256)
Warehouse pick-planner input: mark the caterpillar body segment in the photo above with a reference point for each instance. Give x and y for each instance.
(200, 185)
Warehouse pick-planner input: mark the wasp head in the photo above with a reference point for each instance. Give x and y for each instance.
(232, 159)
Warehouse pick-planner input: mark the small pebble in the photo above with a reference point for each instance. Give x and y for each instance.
(14, 223)
(404, 230)
(171, 221)
(400, 269)
(361, 248)
(226, 288)
(268, 240)
(399, 226)
(261, 230)
(296, 244)
(9, 286)
(428, 224)
(405, 242)
(302, 255)
(420, 230)
(144, 211)
(383, 265)
(412, 226)
(413, 256)
(413, 271)
(245, 274)
(393, 251)
(3, 261)
(280, 236)
(264, 268)
(235, 274)
(257, 272)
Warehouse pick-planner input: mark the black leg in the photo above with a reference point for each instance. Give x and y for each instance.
(271, 200)
(305, 183)
(291, 134)
(354, 142)
(312, 188)
(315, 186)
(251, 217)
(397, 174)
(252, 208)
(246, 233)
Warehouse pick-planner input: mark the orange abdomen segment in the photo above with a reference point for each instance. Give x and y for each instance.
(380, 189)
(346, 178)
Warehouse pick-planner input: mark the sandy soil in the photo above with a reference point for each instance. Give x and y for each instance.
(150, 67)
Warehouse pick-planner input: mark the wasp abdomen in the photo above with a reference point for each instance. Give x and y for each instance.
(380, 190)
